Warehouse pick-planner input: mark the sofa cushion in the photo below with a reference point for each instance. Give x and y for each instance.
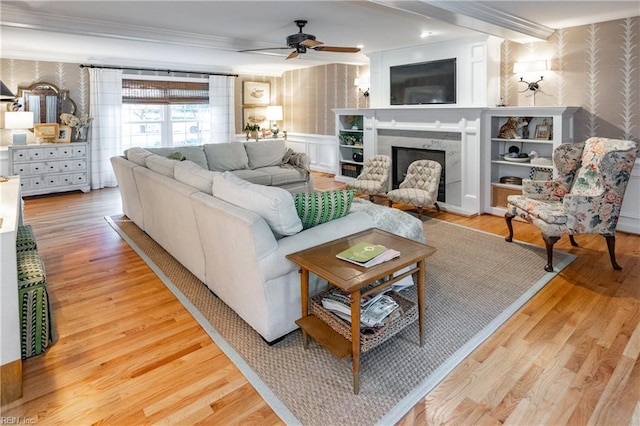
(192, 153)
(222, 157)
(315, 208)
(161, 164)
(137, 155)
(193, 175)
(258, 177)
(282, 175)
(275, 205)
(265, 153)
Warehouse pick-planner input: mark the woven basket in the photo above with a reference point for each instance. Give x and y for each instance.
(409, 313)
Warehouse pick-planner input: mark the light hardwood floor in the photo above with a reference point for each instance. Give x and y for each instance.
(129, 353)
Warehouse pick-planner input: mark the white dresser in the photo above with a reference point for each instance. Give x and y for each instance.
(49, 168)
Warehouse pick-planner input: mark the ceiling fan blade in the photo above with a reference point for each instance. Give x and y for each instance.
(292, 55)
(264, 48)
(337, 49)
(311, 43)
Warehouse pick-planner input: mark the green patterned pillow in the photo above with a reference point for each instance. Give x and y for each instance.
(315, 208)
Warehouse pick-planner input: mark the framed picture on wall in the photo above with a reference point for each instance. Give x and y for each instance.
(256, 115)
(64, 135)
(256, 93)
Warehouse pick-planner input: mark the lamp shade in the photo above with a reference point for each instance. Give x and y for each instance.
(274, 113)
(5, 93)
(530, 66)
(18, 120)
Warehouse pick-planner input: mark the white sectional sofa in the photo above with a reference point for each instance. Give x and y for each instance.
(238, 252)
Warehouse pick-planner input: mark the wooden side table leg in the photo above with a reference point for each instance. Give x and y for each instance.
(355, 340)
(421, 278)
(304, 301)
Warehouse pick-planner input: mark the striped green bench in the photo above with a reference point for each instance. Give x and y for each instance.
(35, 318)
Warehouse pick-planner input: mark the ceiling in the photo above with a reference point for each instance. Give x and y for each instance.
(207, 35)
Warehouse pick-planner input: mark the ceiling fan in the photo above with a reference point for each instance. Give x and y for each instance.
(300, 42)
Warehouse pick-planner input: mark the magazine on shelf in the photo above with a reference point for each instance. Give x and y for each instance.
(374, 309)
(367, 254)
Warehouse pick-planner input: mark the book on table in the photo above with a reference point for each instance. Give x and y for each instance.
(375, 309)
(368, 254)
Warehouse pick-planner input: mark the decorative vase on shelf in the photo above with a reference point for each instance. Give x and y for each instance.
(81, 134)
(357, 156)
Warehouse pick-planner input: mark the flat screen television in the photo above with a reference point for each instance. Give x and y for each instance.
(424, 83)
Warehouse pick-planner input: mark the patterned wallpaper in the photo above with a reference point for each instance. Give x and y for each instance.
(594, 66)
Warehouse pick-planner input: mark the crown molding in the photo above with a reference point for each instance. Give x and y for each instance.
(475, 16)
(12, 17)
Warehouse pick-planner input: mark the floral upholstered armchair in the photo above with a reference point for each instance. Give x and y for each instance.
(586, 198)
(374, 178)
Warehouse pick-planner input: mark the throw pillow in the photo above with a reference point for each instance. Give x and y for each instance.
(137, 155)
(315, 208)
(161, 164)
(176, 156)
(275, 205)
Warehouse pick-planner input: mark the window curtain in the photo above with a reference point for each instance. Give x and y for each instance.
(221, 108)
(105, 99)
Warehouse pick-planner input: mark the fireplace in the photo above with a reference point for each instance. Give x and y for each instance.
(402, 157)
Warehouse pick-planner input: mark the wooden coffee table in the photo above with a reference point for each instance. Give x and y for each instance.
(322, 261)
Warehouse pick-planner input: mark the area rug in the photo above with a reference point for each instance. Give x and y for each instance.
(475, 282)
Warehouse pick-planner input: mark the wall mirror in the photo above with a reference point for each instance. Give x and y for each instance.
(46, 102)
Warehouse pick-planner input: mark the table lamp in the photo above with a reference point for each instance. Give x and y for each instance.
(274, 114)
(19, 121)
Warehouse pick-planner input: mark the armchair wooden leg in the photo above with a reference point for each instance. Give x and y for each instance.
(390, 203)
(573, 241)
(611, 245)
(508, 217)
(549, 242)
(420, 212)
(437, 207)
(371, 198)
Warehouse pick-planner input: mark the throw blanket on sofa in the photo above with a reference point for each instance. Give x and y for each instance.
(295, 160)
(391, 220)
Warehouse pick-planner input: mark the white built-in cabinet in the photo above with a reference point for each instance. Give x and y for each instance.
(50, 168)
(547, 128)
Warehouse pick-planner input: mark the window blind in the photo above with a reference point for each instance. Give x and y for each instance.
(164, 92)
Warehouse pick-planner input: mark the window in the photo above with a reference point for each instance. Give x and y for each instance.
(165, 113)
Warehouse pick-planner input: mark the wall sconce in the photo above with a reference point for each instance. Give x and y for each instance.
(529, 67)
(362, 83)
(274, 114)
(18, 121)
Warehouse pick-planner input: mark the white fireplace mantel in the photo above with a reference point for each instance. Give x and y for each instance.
(447, 119)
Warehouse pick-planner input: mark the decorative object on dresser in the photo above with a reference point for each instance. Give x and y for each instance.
(79, 123)
(64, 135)
(45, 132)
(47, 168)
